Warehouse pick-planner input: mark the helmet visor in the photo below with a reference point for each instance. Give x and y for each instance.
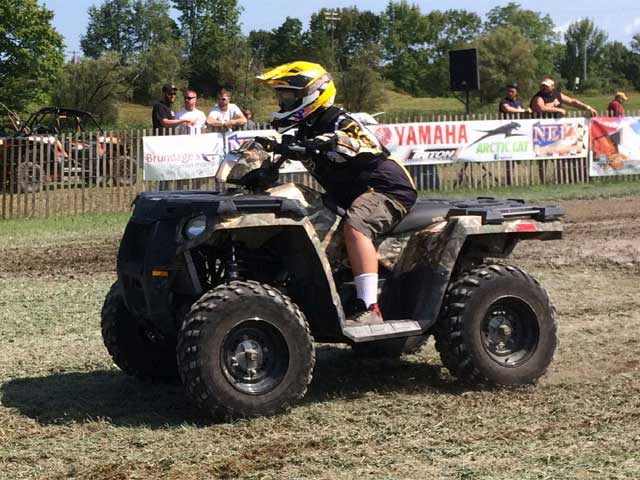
(287, 98)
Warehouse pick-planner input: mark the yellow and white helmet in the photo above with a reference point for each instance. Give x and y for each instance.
(302, 88)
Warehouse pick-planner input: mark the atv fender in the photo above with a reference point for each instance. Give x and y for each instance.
(425, 268)
(319, 299)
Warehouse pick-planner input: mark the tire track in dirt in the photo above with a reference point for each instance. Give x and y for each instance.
(73, 259)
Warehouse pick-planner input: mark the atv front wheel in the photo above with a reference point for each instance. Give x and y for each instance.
(245, 350)
(498, 326)
(133, 349)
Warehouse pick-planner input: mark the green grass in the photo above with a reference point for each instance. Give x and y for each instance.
(50, 231)
(394, 105)
(597, 188)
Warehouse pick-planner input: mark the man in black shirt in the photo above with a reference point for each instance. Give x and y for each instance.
(550, 100)
(510, 103)
(162, 115)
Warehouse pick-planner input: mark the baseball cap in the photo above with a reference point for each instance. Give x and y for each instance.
(548, 82)
(169, 87)
(622, 96)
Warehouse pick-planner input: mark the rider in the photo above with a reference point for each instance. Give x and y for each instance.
(354, 168)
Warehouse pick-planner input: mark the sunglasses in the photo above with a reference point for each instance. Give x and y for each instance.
(224, 98)
(189, 98)
(171, 94)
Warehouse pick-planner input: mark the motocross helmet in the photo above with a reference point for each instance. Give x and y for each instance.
(302, 89)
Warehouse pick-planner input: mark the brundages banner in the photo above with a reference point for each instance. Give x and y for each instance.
(177, 157)
(615, 146)
(485, 141)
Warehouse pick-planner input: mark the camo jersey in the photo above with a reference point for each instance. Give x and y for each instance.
(356, 163)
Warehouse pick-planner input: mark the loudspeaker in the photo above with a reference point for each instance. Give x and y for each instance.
(463, 70)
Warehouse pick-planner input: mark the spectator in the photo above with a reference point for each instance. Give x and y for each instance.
(250, 125)
(550, 100)
(196, 117)
(225, 116)
(615, 108)
(510, 104)
(162, 116)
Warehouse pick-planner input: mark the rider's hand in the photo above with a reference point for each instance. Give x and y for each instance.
(269, 144)
(321, 144)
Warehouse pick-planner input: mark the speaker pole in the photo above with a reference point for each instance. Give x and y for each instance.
(467, 106)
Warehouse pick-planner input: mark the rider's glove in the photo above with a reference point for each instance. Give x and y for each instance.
(321, 144)
(267, 143)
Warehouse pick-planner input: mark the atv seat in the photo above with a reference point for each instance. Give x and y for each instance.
(422, 214)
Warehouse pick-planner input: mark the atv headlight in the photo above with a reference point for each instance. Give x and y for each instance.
(194, 227)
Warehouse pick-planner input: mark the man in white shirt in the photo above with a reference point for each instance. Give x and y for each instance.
(225, 116)
(197, 118)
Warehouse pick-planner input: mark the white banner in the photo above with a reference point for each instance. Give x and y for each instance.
(177, 157)
(484, 141)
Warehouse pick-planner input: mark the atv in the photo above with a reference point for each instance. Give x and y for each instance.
(230, 290)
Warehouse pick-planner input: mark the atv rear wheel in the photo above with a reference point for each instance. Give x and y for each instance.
(245, 350)
(133, 349)
(498, 326)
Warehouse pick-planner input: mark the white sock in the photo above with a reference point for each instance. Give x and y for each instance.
(367, 288)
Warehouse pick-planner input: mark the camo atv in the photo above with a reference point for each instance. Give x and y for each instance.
(230, 290)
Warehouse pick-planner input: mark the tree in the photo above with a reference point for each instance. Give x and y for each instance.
(128, 27)
(109, 30)
(622, 65)
(31, 53)
(584, 51)
(94, 85)
(539, 29)
(211, 30)
(360, 87)
(506, 58)
(286, 43)
(160, 64)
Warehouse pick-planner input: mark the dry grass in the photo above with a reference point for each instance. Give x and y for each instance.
(67, 413)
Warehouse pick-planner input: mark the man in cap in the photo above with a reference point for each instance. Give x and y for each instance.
(550, 100)
(162, 115)
(510, 103)
(615, 108)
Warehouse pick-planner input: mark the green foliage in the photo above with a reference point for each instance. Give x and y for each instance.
(360, 86)
(128, 27)
(537, 28)
(94, 85)
(161, 63)
(211, 30)
(30, 53)
(506, 59)
(585, 46)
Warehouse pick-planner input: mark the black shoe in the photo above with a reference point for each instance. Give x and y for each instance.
(368, 316)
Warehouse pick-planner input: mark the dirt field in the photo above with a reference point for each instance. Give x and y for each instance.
(67, 412)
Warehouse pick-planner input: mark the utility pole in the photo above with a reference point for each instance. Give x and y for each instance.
(584, 59)
(333, 17)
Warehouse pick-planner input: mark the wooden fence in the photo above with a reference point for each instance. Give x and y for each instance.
(46, 175)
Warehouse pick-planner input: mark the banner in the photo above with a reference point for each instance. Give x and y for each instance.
(615, 146)
(485, 141)
(177, 157)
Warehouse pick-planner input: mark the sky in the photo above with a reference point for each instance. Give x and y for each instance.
(619, 18)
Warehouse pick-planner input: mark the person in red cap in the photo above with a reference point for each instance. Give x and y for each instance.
(615, 108)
